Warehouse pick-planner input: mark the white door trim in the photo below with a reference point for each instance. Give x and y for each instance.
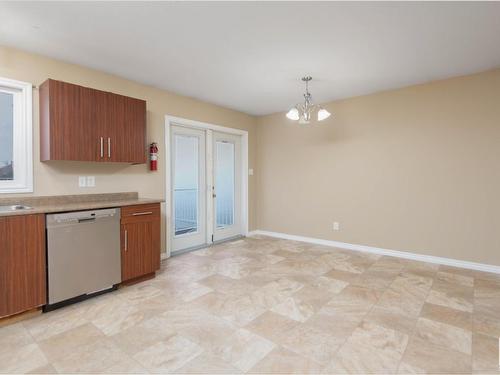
(173, 120)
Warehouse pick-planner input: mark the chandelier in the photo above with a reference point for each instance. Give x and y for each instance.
(304, 112)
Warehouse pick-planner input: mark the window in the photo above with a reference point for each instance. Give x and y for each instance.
(16, 164)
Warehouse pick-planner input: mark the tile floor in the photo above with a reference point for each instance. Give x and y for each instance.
(264, 305)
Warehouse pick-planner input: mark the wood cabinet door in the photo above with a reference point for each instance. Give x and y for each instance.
(132, 138)
(22, 263)
(115, 118)
(72, 133)
(140, 248)
(99, 118)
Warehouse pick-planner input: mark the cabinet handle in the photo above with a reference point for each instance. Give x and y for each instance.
(126, 240)
(109, 147)
(102, 147)
(142, 213)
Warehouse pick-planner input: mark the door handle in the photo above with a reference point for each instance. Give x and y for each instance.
(126, 240)
(142, 213)
(109, 147)
(102, 147)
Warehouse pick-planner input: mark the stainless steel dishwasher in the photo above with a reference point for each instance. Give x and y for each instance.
(83, 254)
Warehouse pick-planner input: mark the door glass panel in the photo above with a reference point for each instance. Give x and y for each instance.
(6, 136)
(186, 184)
(224, 184)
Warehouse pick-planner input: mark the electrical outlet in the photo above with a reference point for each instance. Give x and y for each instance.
(336, 225)
(91, 181)
(82, 181)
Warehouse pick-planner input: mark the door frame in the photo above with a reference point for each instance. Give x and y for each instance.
(179, 121)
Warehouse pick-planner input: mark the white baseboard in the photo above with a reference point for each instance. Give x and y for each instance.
(380, 251)
(163, 256)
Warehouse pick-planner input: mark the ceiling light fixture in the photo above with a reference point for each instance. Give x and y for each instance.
(303, 112)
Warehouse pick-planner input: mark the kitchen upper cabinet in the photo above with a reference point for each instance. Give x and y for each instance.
(84, 124)
(140, 240)
(22, 263)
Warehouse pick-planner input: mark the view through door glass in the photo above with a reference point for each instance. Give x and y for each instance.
(224, 190)
(186, 184)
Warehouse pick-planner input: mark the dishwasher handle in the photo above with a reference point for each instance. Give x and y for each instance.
(87, 219)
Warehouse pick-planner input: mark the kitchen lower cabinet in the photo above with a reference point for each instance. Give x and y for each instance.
(22, 263)
(140, 241)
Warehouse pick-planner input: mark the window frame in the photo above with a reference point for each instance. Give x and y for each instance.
(22, 149)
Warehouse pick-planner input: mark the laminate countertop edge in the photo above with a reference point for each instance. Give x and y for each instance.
(79, 206)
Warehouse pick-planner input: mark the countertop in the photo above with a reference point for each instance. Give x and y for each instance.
(65, 203)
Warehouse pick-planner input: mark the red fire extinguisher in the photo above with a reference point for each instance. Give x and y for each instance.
(153, 156)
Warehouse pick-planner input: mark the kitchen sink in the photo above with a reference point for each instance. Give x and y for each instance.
(14, 207)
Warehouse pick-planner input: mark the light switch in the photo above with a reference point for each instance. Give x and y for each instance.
(250, 172)
(91, 181)
(82, 181)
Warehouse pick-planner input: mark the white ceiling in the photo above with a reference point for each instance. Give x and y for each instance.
(250, 56)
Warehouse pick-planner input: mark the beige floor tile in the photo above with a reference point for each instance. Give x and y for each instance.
(455, 278)
(457, 318)
(434, 359)
(329, 285)
(138, 293)
(272, 326)
(92, 358)
(22, 359)
(144, 334)
(389, 318)
(55, 322)
(485, 354)
(370, 349)
(272, 305)
(168, 356)
(14, 336)
(451, 300)
(375, 279)
(227, 285)
(208, 331)
(405, 368)
(352, 299)
(348, 277)
(294, 308)
(313, 343)
(283, 361)
(486, 324)
(115, 316)
(338, 325)
(65, 343)
(207, 363)
(126, 366)
(47, 369)
(445, 335)
(244, 349)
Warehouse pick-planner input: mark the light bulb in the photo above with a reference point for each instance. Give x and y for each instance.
(293, 114)
(323, 114)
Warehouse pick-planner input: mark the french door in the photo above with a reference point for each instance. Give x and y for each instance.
(226, 185)
(206, 180)
(188, 153)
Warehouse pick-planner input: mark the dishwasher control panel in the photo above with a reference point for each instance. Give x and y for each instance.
(80, 216)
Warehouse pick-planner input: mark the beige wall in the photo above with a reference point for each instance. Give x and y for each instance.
(415, 169)
(53, 178)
